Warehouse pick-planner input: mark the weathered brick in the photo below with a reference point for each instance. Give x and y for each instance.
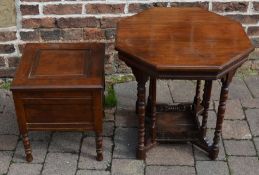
(13, 61)
(245, 19)
(253, 31)
(30, 36)
(78, 22)
(110, 33)
(29, 9)
(6, 48)
(7, 72)
(204, 5)
(50, 34)
(139, 7)
(2, 62)
(255, 42)
(256, 6)
(7, 36)
(109, 22)
(94, 34)
(72, 34)
(104, 8)
(38, 23)
(62, 9)
(229, 6)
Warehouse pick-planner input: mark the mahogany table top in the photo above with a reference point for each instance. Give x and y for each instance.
(181, 40)
(56, 65)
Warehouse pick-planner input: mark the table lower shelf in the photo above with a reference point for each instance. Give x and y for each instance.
(176, 126)
(178, 123)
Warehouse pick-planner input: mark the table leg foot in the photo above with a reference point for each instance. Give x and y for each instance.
(27, 147)
(141, 154)
(99, 145)
(213, 154)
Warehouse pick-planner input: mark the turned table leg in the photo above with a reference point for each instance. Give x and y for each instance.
(141, 105)
(27, 147)
(206, 105)
(152, 106)
(220, 116)
(197, 99)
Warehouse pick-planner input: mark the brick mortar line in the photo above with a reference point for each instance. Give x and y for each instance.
(78, 15)
(125, 14)
(74, 3)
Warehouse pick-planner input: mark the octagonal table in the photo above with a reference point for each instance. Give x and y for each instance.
(186, 44)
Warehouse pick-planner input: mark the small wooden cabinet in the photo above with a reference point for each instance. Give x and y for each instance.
(59, 87)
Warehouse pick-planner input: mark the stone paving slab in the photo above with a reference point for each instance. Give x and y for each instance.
(125, 143)
(126, 118)
(243, 165)
(8, 142)
(65, 142)
(39, 151)
(5, 159)
(92, 172)
(202, 155)
(253, 120)
(253, 84)
(240, 147)
(250, 103)
(127, 167)
(74, 153)
(236, 129)
(239, 90)
(87, 158)
(171, 154)
(170, 170)
(60, 163)
(212, 168)
(233, 111)
(25, 169)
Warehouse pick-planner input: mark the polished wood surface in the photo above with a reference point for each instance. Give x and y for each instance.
(182, 40)
(60, 65)
(180, 43)
(59, 87)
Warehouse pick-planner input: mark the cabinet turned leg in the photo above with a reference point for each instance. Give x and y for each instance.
(153, 108)
(27, 147)
(220, 116)
(99, 146)
(206, 105)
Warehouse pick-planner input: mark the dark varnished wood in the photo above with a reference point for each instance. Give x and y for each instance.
(206, 105)
(181, 43)
(59, 87)
(141, 79)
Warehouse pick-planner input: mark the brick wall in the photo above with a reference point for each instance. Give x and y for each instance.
(95, 20)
